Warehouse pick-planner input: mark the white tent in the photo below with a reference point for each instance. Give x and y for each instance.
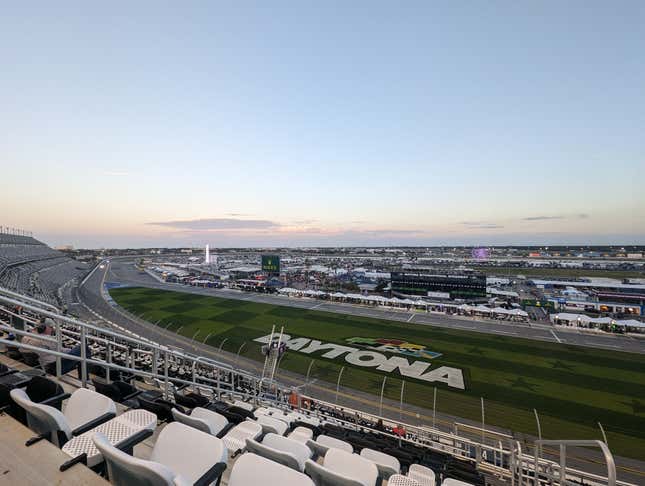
(631, 323)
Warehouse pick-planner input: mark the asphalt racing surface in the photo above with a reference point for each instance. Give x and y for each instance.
(95, 308)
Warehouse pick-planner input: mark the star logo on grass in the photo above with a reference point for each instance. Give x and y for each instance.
(520, 382)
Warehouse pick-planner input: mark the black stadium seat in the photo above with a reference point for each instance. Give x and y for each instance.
(30, 359)
(120, 392)
(191, 400)
(160, 407)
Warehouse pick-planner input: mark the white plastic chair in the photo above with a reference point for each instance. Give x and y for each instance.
(251, 469)
(301, 434)
(84, 410)
(422, 474)
(272, 425)
(181, 456)
(323, 443)
(202, 419)
(235, 439)
(386, 464)
(283, 450)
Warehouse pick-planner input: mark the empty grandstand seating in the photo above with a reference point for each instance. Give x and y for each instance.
(31, 267)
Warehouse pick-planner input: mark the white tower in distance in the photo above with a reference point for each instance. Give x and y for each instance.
(207, 259)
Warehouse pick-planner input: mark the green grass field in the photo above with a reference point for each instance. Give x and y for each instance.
(573, 388)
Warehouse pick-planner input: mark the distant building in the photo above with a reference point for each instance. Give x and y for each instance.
(439, 286)
(64, 248)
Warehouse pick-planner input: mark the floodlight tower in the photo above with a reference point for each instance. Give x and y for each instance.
(207, 258)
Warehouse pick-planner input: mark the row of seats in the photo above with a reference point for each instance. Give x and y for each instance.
(270, 444)
(317, 436)
(34, 269)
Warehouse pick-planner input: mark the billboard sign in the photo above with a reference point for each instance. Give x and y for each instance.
(439, 295)
(271, 263)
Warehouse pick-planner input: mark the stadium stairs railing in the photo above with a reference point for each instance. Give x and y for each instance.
(503, 460)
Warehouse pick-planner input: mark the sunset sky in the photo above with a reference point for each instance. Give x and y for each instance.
(343, 123)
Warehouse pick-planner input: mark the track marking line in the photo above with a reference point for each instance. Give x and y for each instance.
(315, 307)
(504, 332)
(555, 336)
(410, 318)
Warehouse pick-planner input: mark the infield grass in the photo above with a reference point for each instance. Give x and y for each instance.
(572, 387)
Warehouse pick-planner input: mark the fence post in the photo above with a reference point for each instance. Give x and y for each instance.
(165, 373)
(307, 376)
(59, 346)
(108, 352)
(434, 408)
(604, 436)
(401, 400)
(539, 428)
(483, 422)
(340, 373)
(222, 345)
(83, 358)
(237, 357)
(380, 407)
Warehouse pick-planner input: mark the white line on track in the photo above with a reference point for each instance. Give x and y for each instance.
(465, 327)
(410, 318)
(555, 336)
(503, 332)
(315, 307)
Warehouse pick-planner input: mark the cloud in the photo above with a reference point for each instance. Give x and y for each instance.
(542, 218)
(480, 225)
(552, 218)
(235, 215)
(304, 222)
(216, 224)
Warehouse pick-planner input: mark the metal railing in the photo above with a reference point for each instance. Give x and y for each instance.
(503, 458)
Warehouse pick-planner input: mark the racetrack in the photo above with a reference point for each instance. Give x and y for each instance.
(125, 273)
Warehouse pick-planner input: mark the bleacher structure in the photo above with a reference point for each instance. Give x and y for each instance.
(207, 422)
(30, 267)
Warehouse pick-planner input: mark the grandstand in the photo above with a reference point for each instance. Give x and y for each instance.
(30, 267)
(136, 412)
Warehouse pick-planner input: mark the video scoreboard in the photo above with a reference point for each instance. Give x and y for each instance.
(271, 263)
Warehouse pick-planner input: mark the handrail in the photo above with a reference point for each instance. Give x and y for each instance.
(609, 458)
(150, 344)
(28, 299)
(496, 458)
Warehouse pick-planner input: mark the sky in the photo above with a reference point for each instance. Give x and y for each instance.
(270, 123)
